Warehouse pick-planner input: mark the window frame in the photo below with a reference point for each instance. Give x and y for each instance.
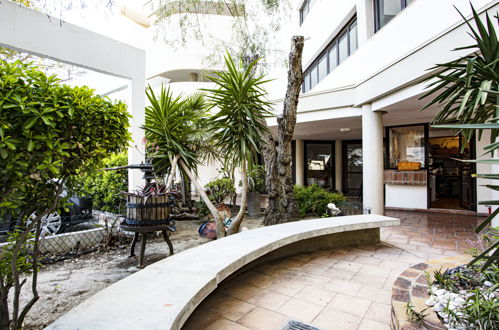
(426, 134)
(377, 17)
(308, 4)
(333, 161)
(334, 43)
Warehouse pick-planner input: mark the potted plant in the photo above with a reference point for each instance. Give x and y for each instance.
(256, 187)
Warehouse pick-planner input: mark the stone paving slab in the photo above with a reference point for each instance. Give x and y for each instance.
(347, 288)
(164, 294)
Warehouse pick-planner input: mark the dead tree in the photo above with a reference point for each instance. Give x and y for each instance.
(277, 156)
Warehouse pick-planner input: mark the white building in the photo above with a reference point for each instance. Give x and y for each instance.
(359, 116)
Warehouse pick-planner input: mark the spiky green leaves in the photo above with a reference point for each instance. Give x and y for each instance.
(176, 126)
(240, 107)
(467, 88)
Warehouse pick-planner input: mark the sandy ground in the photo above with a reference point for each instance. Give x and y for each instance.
(64, 285)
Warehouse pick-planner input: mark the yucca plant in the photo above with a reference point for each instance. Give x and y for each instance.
(177, 133)
(240, 105)
(467, 90)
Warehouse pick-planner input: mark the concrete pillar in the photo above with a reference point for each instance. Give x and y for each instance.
(300, 161)
(338, 166)
(136, 151)
(372, 157)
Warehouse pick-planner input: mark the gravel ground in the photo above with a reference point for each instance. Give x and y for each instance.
(64, 285)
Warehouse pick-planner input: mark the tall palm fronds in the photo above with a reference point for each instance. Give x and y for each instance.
(176, 131)
(467, 87)
(173, 127)
(468, 90)
(237, 127)
(241, 103)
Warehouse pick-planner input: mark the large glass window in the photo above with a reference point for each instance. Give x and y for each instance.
(336, 51)
(305, 8)
(333, 57)
(313, 77)
(406, 143)
(319, 164)
(352, 31)
(385, 10)
(322, 67)
(352, 168)
(306, 81)
(343, 47)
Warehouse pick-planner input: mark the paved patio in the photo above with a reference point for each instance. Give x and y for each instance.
(345, 288)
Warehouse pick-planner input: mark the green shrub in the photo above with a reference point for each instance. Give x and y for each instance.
(220, 189)
(49, 132)
(105, 186)
(314, 199)
(257, 179)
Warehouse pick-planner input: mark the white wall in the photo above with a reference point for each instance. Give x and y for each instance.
(403, 196)
(420, 36)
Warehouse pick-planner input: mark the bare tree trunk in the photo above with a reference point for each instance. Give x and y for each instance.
(234, 227)
(213, 210)
(172, 173)
(34, 277)
(4, 305)
(282, 204)
(17, 315)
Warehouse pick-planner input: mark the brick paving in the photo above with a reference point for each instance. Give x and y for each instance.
(348, 288)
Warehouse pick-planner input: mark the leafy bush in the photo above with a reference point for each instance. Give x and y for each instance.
(257, 179)
(201, 209)
(105, 186)
(314, 199)
(49, 132)
(220, 189)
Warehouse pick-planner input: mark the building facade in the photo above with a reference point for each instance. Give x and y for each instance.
(364, 62)
(359, 114)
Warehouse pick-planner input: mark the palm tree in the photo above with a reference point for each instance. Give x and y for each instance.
(175, 129)
(237, 128)
(467, 87)
(468, 90)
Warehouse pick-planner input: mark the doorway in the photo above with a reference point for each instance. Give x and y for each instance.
(319, 164)
(352, 168)
(451, 185)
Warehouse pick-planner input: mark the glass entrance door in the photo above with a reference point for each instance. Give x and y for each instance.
(319, 164)
(352, 168)
(451, 185)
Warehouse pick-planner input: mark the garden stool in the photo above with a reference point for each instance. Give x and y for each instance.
(144, 230)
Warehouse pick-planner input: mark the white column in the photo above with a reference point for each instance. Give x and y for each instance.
(136, 107)
(338, 166)
(372, 156)
(299, 159)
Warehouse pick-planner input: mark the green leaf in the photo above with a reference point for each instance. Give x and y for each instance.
(30, 122)
(9, 145)
(31, 145)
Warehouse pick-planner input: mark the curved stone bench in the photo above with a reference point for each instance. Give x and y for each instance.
(163, 295)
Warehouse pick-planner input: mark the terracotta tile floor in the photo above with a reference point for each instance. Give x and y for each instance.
(348, 288)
